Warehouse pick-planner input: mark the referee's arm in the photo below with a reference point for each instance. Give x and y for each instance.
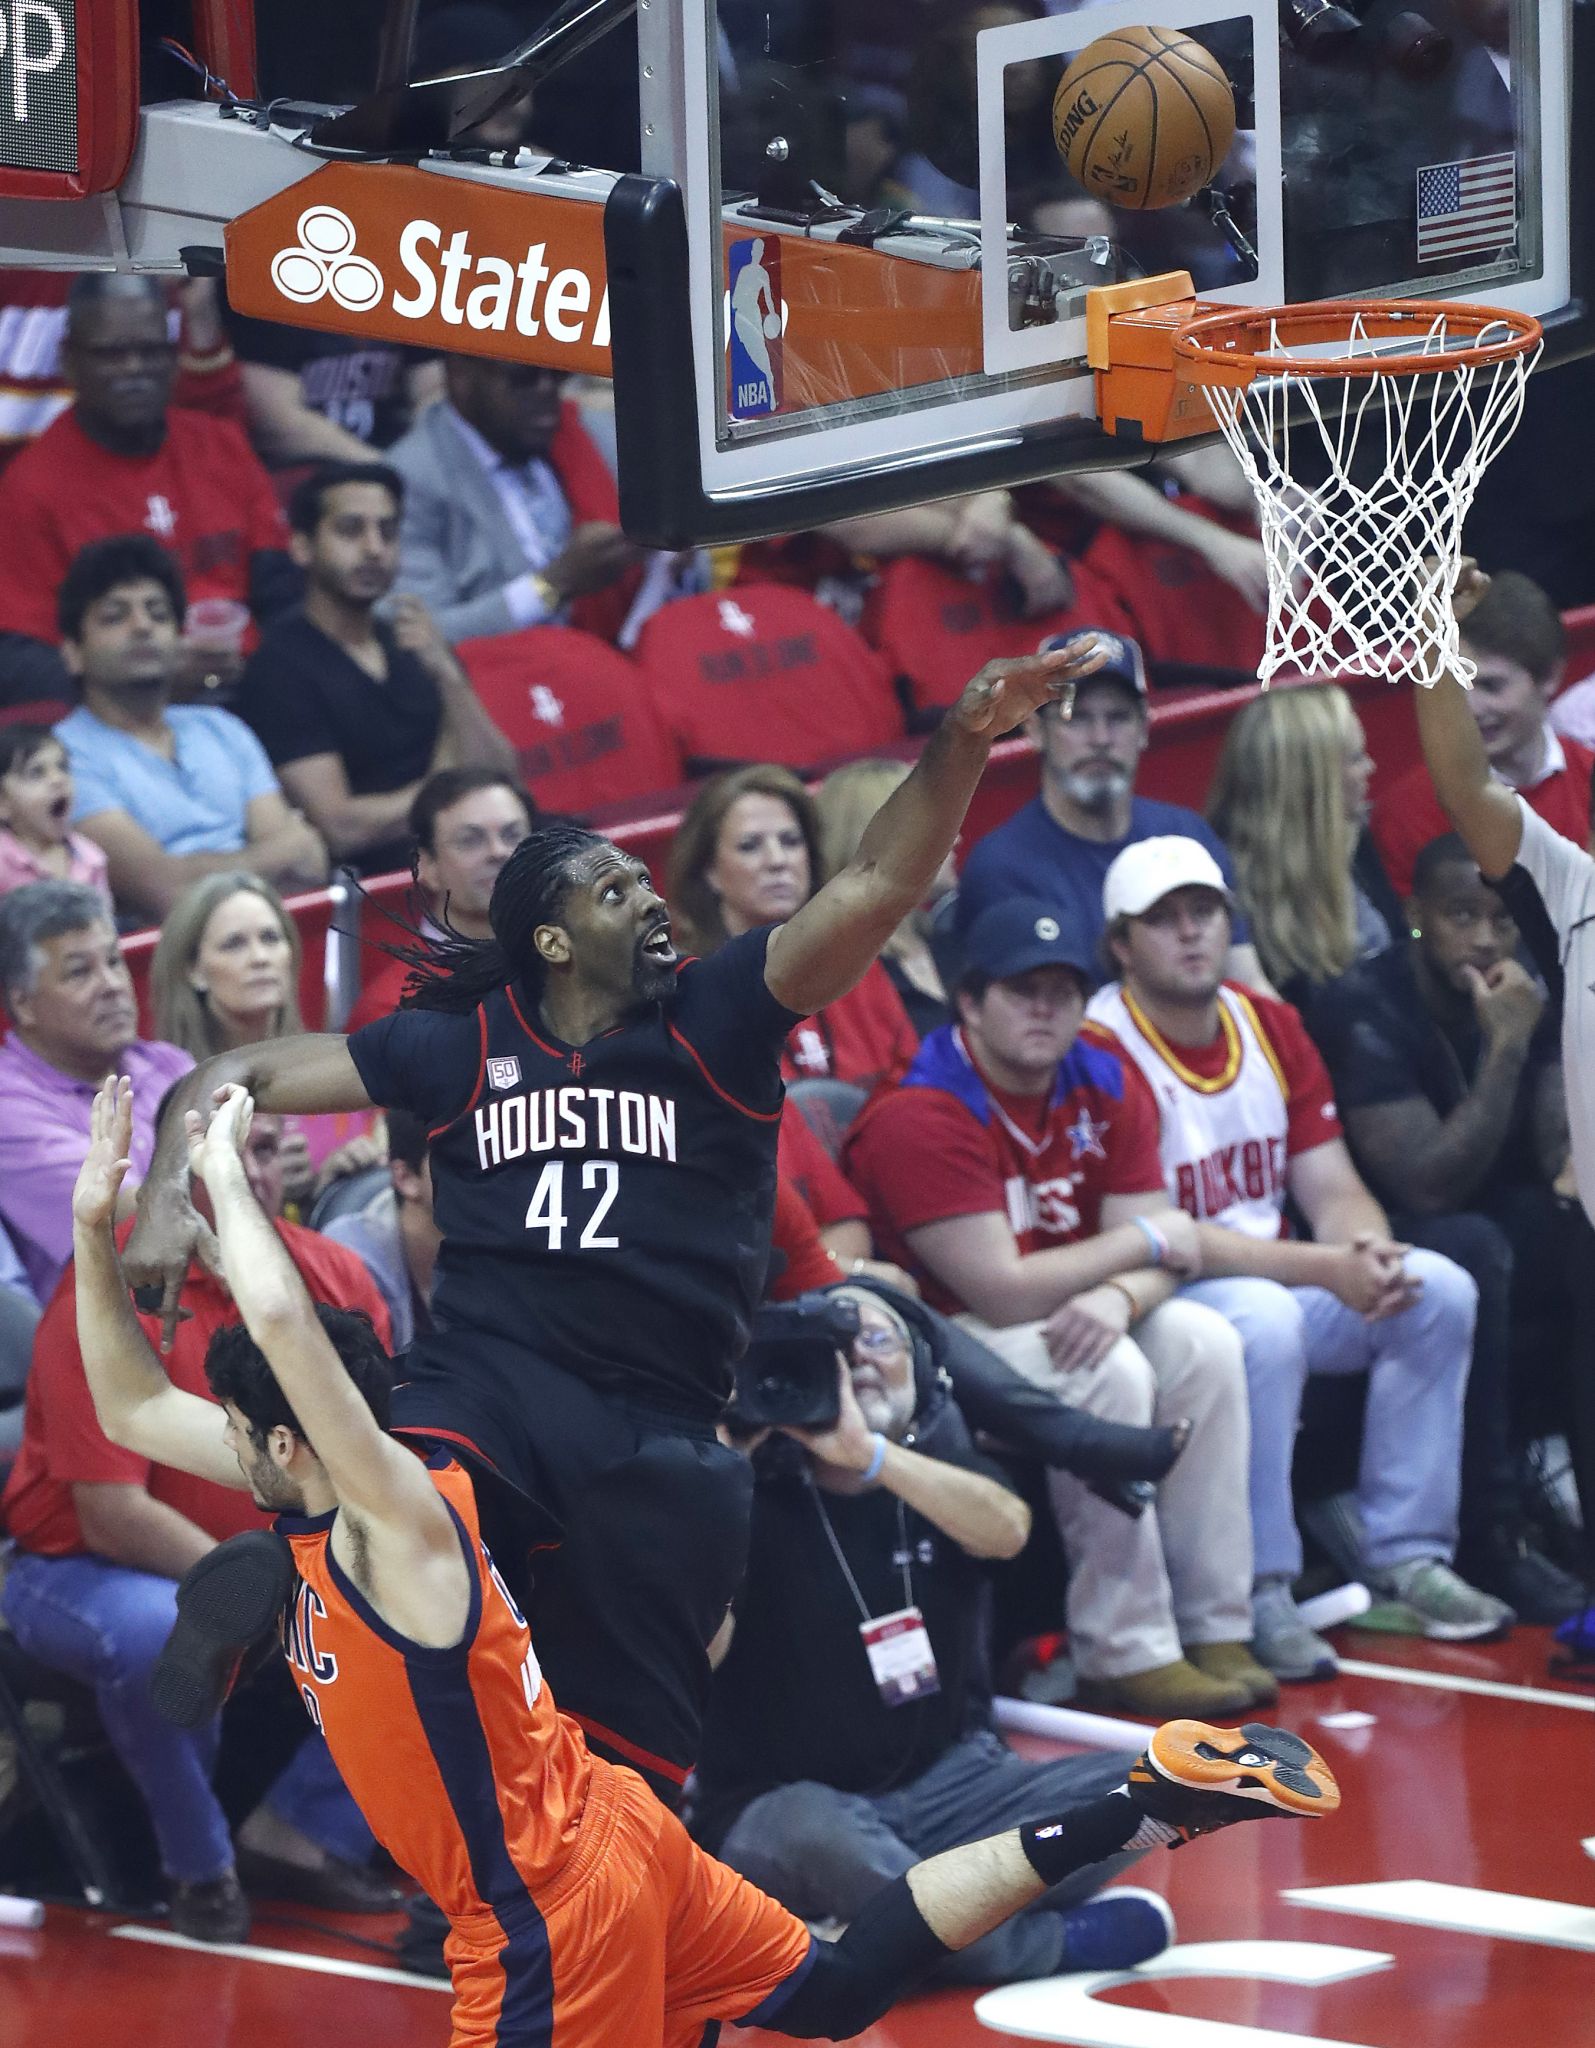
(1485, 812)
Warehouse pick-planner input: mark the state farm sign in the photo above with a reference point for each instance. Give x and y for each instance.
(434, 261)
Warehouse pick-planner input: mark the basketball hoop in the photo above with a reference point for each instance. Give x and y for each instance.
(1363, 427)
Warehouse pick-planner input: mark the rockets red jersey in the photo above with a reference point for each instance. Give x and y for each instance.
(1234, 1113)
(467, 1774)
(947, 1143)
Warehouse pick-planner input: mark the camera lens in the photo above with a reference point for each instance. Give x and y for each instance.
(1416, 48)
(1318, 29)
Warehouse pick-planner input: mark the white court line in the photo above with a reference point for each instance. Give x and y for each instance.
(1487, 1688)
(284, 1958)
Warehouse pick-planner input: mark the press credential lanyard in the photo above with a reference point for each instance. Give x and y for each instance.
(897, 1645)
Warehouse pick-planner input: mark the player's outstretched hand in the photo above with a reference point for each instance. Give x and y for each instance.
(1470, 587)
(107, 1160)
(1005, 693)
(219, 1139)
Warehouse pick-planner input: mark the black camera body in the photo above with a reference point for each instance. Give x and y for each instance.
(787, 1376)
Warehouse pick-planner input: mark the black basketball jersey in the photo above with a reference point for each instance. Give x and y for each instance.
(606, 1205)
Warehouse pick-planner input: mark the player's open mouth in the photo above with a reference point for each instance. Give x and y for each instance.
(657, 945)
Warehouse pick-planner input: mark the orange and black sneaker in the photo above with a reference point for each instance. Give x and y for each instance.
(1192, 1778)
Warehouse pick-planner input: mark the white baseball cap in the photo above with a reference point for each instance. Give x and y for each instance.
(1151, 869)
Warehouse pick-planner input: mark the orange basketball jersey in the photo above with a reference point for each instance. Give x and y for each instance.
(460, 1763)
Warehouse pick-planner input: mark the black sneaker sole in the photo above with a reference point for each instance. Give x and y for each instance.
(226, 1603)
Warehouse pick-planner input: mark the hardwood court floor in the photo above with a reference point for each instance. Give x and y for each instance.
(1467, 1801)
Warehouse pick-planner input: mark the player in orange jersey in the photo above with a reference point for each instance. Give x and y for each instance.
(580, 1911)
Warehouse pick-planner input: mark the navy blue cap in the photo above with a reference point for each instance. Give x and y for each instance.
(1013, 937)
(1122, 660)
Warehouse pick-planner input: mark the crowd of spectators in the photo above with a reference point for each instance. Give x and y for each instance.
(1246, 1127)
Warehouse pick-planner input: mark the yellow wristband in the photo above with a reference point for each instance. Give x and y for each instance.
(1119, 1287)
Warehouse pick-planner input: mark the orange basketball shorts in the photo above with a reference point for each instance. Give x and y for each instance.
(652, 1941)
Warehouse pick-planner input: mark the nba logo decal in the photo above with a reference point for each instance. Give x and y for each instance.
(753, 270)
(504, 1073)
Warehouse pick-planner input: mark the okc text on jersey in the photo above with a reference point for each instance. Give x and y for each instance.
(575, 1120)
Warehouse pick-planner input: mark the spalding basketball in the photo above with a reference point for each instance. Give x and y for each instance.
(1144, 117)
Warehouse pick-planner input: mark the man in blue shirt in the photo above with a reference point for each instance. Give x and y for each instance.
(171, 791)
(1061, 845)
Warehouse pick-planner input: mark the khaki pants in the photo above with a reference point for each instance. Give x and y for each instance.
(1183, 1572)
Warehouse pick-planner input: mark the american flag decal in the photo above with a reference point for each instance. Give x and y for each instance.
(1467, 208)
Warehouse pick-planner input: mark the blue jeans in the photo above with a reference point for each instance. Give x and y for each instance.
(823, 1853)
(104, 1625)
(1410, 1476)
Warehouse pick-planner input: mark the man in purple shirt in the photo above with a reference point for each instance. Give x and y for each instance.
(74, 1020)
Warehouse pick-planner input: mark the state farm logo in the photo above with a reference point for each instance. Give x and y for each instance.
(322, 264)
(529, 296)
(430, 261)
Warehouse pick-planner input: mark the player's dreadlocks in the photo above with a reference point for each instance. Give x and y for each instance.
(456, 973)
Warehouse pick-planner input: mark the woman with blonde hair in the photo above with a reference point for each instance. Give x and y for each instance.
(748, 853)
(845, 802)
(1290, 800)
(225, 974)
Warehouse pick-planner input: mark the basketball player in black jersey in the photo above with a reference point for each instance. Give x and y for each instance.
(603, 1121)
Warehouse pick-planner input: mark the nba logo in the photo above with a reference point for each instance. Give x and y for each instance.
(754, 272)
(503, 1073)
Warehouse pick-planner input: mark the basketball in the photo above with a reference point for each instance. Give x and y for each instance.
(1143, 117)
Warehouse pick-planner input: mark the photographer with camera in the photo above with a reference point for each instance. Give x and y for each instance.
(849, 1729)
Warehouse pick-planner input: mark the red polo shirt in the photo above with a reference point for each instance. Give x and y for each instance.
(203, 494)
(63, 1444)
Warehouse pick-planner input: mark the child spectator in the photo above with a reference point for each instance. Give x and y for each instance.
(36, 844)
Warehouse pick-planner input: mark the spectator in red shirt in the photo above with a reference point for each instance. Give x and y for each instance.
(1514, 636)
(102, 1538)
(799, 1258)
(747, 853)
(34, 387)
(1016, 1170)
(124, 459)
(838, 1210)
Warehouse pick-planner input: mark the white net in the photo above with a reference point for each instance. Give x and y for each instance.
(1362, 483)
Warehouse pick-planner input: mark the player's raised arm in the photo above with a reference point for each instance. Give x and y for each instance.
(371, 1474)
(824, 949)
(307, 1074)
(137, 1405)
(1482, 809)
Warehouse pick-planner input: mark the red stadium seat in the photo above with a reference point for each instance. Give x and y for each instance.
(577, 714)
(1579, 626)
(936, 626)
(765, 673)
(37, 711)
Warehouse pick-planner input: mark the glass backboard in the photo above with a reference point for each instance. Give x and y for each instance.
(887, 260)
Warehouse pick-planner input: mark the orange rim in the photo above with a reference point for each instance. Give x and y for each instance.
(1258, 340)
